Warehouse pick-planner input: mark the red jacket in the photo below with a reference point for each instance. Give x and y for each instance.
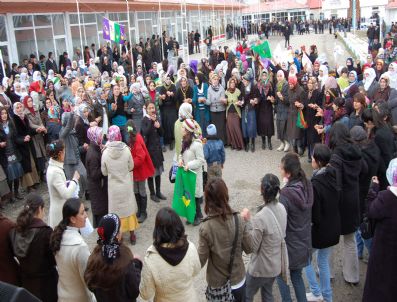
(36, 86)
(143, 166)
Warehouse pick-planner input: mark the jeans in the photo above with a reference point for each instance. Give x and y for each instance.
(325, 288)
(255, 283)
(350, 265)
(361, 242)
(239, 293)
(297, 282)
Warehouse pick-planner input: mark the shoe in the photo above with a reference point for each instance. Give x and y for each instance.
(281, 147)
(269, 142)
(188, 222)
(18, 196)
(263, 143)
(300, 151)
(286, 148)
(351, 283)
(310, 297)
(247, 147)
(142, 217)
(253, 145)
(138, 203)
(161, 196)
(133, 238)
(154, 198)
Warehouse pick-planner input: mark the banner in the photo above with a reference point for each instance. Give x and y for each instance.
(113, 31)
(184, 201)
(263, 50)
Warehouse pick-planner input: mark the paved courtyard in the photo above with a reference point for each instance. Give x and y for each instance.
(242, 174)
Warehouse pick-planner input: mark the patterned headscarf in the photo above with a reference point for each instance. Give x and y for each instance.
(108, 229)
(114, 134)
(94, 134)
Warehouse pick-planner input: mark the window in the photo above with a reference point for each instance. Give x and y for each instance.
(22, 21)
(3, 32)
(58, 23)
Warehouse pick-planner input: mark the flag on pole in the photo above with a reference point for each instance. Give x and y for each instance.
(111, 30)
(116, 33)
(106, 29)
(263, 50)
(184, 201)
(122, 34)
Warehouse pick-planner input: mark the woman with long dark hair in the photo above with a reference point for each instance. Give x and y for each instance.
(173, 253)
(346, 158)
(218, 232)
(269, 225)
(12, 167)
(112, 273)
(168, 110)
(297, 198)
(71, 253)
(192, 158)
(30, 240)
(359, 105)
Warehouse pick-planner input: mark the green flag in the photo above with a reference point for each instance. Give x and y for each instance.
(263, 50)
(116, 32)
(184, 201)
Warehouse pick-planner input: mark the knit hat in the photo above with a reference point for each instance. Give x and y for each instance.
(189, 125)
(211, 130)
(358, 133)
(108, 229)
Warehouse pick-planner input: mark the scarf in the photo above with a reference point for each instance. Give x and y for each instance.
(80, 112)
(263, 86)
(280, 85)
(114, 134)
(25, 103)
(95, 135)
(21, 115)
(108, 229)
(215, 88)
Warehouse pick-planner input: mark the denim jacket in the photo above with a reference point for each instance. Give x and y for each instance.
(214, 151)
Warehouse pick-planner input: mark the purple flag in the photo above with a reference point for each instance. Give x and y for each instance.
(106, 29)
(265, 62)
(122, 34)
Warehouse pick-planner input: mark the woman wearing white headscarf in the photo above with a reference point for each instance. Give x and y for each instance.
(370, 83)
(82, 125)
(323, 76)
(24, 78)
(392, 73)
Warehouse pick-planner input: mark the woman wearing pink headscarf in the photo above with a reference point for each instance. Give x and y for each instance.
(117, 164)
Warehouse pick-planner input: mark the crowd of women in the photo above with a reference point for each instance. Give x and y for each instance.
(105, 133)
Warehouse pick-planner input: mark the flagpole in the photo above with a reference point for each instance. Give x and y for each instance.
(129, 37)
(161, 34)
(78, 16)
(2, 64)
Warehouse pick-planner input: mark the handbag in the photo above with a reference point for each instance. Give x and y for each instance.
(224, 293)
(284, 253)
(367, 228)
(172, 172)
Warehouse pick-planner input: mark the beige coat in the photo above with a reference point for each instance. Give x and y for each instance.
(58, 191)
(194, 159)
(71, 262)
(38, 139)
(166, 283)
(117, 165)
(266, 255)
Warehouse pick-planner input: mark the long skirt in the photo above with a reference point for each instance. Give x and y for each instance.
(233, 131)
(219, 120)
(168, 119)
(129, 223)
(248, 123)
(4, 188)
(281, 130)
(31, 178)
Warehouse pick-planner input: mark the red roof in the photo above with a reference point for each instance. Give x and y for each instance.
(313, 4)
(392, 4)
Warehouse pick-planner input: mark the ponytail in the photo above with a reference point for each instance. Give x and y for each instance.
(33, 203)
(56, 236)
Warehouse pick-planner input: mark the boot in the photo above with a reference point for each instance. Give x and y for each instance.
(138, 203)
(281, 147)
(199, 215)
(143, 215)
(253, 145)
(269, 142)
(300, 151)
(263, 142)
(287, 145)
(159, 195)
(151, 189)
(17, 195)
(295, 148)
(132, 238)
(246, 144)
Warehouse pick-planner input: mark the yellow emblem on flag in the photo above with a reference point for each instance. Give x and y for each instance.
(185, 201)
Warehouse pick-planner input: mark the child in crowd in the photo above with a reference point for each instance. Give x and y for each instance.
(214, 153)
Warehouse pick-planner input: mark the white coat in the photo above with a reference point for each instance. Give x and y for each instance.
(117, 164)
(58, 191)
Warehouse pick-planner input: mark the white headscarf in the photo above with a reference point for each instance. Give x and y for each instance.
(36, 76)
(323, 79)
(369, 78)
(24, 79)
(392, 75)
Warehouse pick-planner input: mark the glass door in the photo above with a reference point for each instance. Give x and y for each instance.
(60, 47)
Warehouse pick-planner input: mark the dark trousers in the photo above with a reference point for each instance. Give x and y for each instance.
(239, 294)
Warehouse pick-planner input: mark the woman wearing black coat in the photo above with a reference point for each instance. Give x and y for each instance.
(383, 137)
(30, 241)
(97, 184)
(151, 131)
(346, 158)
(312, 101)
(81, 127)
(382, 209)
(25, 147)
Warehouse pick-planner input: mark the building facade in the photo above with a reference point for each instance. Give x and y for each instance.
(39, 30)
